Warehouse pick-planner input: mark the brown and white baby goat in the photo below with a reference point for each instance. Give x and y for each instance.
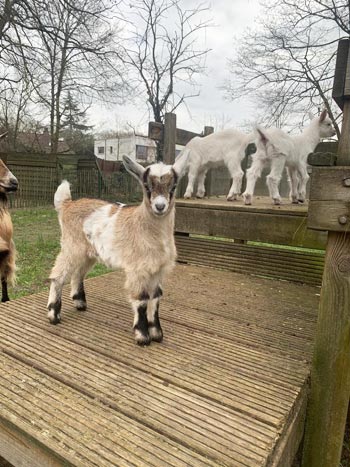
(8, 183)
(138, 239)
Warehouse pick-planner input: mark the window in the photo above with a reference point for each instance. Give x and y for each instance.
(110, 149)
(141, 152)
(100, 150)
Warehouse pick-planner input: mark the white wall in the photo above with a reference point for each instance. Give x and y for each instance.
(114, 149)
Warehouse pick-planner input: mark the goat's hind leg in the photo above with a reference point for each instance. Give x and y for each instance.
(59, 273)
(154, 328)
(77, 286)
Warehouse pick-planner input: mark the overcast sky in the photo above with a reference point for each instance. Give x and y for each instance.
(230, 19)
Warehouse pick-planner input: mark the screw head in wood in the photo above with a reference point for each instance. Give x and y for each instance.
(346, 182)
(343, 220)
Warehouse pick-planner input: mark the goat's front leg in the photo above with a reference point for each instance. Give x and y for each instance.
(139, 306)
(253, 173)
(304, 177)
(154, 327)
(77, 285)
(4, 296)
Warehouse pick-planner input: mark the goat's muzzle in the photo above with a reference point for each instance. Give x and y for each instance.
(9, 185)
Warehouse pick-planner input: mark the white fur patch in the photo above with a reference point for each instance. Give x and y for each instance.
(158, 170)
(99, 229)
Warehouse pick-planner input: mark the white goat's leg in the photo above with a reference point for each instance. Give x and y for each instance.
(274, 178)
(200, 183)
(236, 172)
(253, 173)
(77, 285)
(154, 327)
(192, 174)
(293, 184)
(304, 177)
(59, 273)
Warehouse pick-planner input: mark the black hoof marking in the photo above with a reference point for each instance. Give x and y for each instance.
(143, 296)
(158, 292)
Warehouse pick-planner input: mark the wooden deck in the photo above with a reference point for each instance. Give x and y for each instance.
(227, 387)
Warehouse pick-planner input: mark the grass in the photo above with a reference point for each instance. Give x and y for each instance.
(37, 239)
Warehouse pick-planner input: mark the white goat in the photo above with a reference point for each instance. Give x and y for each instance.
(138, 239)
(225, 147)
(8, 183)
(281, 150)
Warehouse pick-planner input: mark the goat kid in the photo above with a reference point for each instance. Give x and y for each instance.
(138, 239)
(225, 147)
(8, 183)
(281, 150)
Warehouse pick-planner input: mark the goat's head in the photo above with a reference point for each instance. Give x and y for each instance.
(8, 182)
(158, 182)
(325, 125)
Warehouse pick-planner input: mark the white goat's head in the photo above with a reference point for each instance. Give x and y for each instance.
(158, 182)
(325, 126)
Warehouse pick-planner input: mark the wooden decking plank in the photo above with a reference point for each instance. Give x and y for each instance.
(286, 324)
(292, 344)
(94, 336)
(171, 418)
(178, 368)
(217, 391)
(51, 411)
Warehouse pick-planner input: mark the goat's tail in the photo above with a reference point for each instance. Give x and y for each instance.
(62, 194)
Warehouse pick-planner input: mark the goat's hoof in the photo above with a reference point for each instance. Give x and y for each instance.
(200, 196)
(80, 305)
(277, 201)
(231, 198)
(156, 334)
(142, 339)
(3, 300)
(53, 317)
(186, 196)
(301, 201)
(247, 199)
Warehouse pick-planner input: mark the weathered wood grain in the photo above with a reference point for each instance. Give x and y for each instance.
(330, 376)
(284, 225)
(222, 389)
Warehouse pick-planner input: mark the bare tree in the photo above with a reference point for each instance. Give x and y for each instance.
(286, 64)
(73, 53)
(163, 52)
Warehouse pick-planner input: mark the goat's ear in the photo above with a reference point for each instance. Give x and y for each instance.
(323, 115)
(133, 167)
(262, 135)
(181, 162)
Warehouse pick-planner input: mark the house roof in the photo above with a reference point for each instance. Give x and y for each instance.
(35, 141)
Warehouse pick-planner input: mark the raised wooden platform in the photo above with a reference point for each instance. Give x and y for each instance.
(227, 387)
(262, 221)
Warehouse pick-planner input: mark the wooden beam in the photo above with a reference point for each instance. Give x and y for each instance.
(330, 374)
(322, 159)
(169, 138)
(341, 83)
(269, 227)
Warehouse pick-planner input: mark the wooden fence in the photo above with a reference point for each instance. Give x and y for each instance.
(40, 174)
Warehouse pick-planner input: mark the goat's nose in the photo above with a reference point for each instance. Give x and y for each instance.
(14, 181)
(160, 207)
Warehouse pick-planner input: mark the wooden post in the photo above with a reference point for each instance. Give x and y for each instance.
(169, 138)
(208, 130)
(330, 374)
